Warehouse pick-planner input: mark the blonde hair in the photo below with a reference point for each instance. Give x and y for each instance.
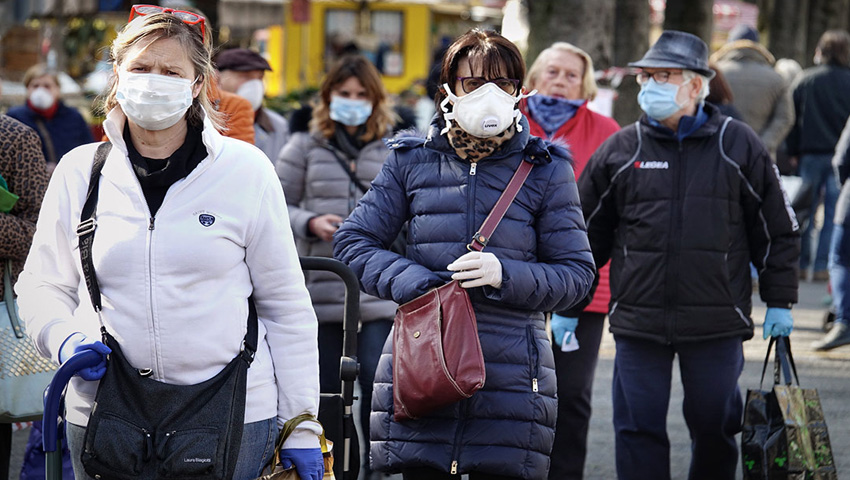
(588, 81)
(156, 26)
(357, 66)
(40, 70)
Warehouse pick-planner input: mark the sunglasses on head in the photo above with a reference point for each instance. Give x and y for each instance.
(186, 17)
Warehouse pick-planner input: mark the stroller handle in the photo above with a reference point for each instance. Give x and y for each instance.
(53, 394)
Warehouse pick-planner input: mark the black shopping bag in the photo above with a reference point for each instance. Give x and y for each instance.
(784, 433)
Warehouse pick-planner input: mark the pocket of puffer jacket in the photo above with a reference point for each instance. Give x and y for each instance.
(116, 444)
(190, 453)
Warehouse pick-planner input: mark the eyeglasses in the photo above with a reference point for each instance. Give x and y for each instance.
(659, 77)
(470, 84)
(187, 17)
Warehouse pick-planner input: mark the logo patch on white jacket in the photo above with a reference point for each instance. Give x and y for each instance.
(206, 219)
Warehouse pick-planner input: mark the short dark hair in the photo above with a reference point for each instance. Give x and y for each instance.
(487, 51)
(834, 46)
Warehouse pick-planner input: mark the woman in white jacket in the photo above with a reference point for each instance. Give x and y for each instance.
(190, 224)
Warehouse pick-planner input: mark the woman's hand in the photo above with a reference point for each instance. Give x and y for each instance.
(324, 226)
(477, 269)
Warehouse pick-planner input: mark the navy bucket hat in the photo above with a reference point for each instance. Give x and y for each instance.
(677, 50)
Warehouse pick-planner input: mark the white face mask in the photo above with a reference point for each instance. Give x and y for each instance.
(485, 112)
(151, 101)
(41, 98)
(253, 91)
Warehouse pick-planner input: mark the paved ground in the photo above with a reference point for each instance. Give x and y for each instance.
(828, 372)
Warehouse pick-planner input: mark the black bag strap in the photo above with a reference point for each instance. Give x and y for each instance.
(46, 140)
(86, 230)
(88, 224)
(783, 362)
(347, 169)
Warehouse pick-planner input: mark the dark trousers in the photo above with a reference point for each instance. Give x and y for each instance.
(425, 473)
(713, 407)
(5, 449)
(575, 371)
(370, 343)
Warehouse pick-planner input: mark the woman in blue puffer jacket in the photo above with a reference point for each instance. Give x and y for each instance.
(538, 260)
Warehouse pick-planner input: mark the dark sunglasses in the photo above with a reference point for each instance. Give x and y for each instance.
(186, 17)
(470, 84)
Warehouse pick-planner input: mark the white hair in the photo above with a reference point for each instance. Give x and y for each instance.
(690, 75)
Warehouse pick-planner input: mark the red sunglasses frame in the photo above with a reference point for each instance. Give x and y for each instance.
(136, 11)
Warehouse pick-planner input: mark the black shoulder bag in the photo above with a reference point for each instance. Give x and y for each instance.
(140, 428)
(399, 245)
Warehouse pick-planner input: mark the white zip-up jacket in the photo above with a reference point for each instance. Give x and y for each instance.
(175, 287)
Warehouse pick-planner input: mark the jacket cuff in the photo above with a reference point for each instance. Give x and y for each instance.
(305, 435)
(787, 305)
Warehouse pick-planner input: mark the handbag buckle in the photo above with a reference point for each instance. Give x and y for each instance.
(86, 227)
(480, 238)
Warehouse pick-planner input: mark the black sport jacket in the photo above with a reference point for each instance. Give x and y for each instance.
(681, 222)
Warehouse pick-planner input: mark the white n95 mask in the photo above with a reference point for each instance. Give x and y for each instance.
(486, 112)
(152, 101)
(253, 91)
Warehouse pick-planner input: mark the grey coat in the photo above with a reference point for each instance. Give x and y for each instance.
(761, 94)
(315, 184)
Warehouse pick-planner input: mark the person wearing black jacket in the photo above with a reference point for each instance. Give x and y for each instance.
(681, 202)
(822, 107)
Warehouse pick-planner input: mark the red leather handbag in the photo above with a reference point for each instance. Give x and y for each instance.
(437, 357)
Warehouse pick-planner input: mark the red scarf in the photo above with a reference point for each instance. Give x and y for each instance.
(47, 114)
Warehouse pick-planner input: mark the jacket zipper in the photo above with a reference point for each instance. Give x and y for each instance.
(471, 227)
(533, 357)
(455, 449)
(151, 227)
(673, 245)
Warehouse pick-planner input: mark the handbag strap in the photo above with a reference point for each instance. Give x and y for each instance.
(9, 299)
(482, 236)
(347, 169)
(85, 232)
(783, 362)
(46, 140)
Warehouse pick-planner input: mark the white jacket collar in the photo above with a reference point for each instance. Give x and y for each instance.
(113, 126)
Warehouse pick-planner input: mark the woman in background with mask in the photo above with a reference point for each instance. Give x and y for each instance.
(537, 260)
(324, 172)
(190, 224)
(60, 127)
(564, 79)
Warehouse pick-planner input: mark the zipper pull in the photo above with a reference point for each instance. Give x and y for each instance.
(150, 226)
(472, 167)
(454, 462)
(533, 384)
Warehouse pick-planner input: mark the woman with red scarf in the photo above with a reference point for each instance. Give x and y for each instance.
(563, 77)
(60, 127)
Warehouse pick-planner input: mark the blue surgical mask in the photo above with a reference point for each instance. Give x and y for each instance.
(659, 100)
(351, 112)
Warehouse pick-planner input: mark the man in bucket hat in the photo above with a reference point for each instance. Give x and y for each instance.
(681, 202)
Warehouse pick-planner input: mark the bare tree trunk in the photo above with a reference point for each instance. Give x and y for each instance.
(587, 25)
(631, 41)
(692, 16)
(823, 15)
(786, 23)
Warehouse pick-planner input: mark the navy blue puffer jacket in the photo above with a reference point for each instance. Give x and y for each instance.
(507, 427)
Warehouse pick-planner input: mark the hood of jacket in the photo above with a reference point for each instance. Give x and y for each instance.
(743, 51)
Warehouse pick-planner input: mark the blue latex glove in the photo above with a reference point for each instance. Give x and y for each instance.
(308, 462)
(778, 322)
(78, 342)
(562, 326)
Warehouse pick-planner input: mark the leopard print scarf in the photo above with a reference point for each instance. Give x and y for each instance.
(472, 148)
